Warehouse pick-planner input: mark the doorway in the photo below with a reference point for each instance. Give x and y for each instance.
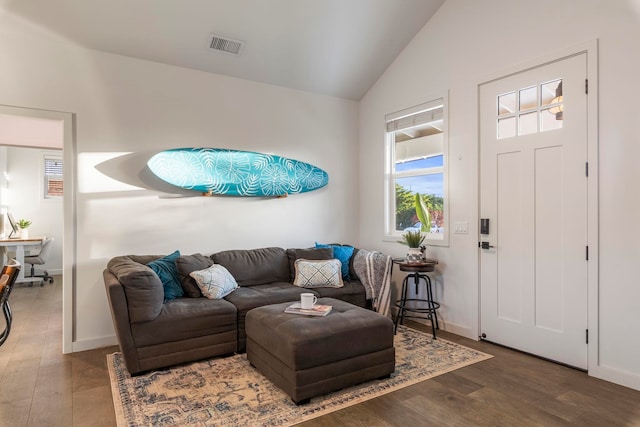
(68, 207)
(533, 194)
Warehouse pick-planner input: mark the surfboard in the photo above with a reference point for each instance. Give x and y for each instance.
(235, 172)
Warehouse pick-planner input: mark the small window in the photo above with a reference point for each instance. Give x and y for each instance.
(417, 173)
(53, 173)
(529, 110)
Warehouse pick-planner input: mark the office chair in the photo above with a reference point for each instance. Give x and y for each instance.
(40, 259)
(8, 277)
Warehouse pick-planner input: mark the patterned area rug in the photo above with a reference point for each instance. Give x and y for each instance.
(229, 392)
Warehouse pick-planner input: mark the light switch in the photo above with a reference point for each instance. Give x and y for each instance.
(461, 227)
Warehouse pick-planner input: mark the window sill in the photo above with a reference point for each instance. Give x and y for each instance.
(442, 240)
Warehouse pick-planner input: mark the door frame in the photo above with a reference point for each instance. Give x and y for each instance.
(591, 50)
(69, 213)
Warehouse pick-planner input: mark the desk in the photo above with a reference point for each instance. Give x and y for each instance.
(18, 245)
(423, 308)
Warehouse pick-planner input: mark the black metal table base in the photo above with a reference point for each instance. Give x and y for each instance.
(417, 308)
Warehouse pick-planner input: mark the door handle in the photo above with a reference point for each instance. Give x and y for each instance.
(484, 245)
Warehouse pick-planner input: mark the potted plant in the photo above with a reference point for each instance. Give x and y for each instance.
(24, 225)
(413, 239)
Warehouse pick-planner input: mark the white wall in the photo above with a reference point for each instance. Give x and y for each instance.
(3, 185)
(123, 105)
(25, 189)
(467, 41)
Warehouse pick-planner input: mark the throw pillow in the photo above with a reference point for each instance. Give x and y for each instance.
(310, 253)
(318, 273)
(186, 264)
(342, 253)
(166, 270)
(215, 282)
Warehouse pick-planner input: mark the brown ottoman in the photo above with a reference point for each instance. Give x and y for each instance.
(307, 356)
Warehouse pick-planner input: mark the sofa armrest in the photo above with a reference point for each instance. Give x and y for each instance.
(142, 287)
(121, 320)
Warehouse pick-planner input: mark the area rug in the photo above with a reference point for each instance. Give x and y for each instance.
(229, 392)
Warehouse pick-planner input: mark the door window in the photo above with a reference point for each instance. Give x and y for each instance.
(532, 109)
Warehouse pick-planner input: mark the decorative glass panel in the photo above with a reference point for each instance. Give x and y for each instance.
(528, 123)
(506, 127)
(507, 103)
(550, 91)
(528, 98)
(549, 120)
(543, 101)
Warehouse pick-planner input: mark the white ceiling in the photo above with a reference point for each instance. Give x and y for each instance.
(332, 47)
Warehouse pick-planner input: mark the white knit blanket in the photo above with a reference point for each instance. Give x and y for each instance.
(374, 271)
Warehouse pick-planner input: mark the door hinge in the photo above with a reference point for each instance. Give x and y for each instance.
(587, 335)
(586, 86)
(586, 168)
(586, 252)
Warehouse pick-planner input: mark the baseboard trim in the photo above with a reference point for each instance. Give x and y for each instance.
(616, 376)
(93, 343)
(463, 331)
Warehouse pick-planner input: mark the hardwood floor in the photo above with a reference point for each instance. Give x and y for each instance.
(39, 386)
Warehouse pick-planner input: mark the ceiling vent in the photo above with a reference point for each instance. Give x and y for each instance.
(225, 45)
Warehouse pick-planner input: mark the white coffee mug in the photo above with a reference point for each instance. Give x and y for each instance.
(308, 300)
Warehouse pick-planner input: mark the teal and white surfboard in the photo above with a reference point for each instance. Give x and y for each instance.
(236, 173)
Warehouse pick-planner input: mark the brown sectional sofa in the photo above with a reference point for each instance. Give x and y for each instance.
(153, 334)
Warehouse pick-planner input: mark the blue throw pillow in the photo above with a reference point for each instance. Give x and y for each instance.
(343, 254)
(167, 271)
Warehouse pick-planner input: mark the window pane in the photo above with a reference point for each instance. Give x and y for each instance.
(53, 177)
(429, 162)
(550, 120)
(528, 98)
(506, 127)
(550, 91)
(54, 187)
(507, 103)
(528, 123)
(431, 188)
(408, 151)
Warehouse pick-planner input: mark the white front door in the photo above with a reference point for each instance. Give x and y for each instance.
(533, 191)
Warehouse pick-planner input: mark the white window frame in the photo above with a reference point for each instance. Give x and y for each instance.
(390, 233)
(45, 176)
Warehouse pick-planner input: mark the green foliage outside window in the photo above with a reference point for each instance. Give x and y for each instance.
(406, 215)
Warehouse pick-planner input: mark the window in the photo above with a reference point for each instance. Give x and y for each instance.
(538, 108)
(53, 182)
(417, 172)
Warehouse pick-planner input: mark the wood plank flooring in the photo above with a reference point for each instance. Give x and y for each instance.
(39, 386)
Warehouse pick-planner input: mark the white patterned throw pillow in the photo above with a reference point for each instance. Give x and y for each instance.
(318, 273)
(214, 282)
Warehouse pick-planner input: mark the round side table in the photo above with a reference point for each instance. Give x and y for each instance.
(417, 308)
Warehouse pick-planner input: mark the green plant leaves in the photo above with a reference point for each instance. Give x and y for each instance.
(423, 213)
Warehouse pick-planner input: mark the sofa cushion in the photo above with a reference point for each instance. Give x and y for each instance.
(318, 273)
(344, 254)
(142, 287)
(186, 318)
(215, 282)
(255, 266)
(166, 270)
(310, 253)
(185, 265)
(247, 298)
(352, 292)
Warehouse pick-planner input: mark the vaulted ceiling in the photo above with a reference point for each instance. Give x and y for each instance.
(332, 47)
